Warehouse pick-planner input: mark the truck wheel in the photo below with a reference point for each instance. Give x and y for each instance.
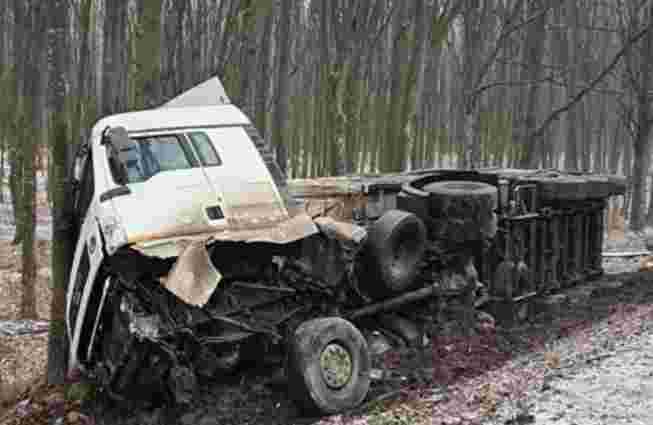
(462, 211)
(395, 245)
(563, 188)
(328, 366)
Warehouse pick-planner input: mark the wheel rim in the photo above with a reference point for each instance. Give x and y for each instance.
(336, 365)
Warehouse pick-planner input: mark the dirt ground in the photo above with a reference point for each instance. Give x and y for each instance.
(23, 353)
(10, 280)
(22, 357)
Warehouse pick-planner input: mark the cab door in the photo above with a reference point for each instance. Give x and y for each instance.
(236, 170)
(83, 297)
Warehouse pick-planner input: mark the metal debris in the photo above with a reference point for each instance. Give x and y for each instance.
(193, 278)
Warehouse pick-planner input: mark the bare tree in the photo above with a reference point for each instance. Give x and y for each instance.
(281, 124)
(639, 75)
(62, 245)
(115, 94)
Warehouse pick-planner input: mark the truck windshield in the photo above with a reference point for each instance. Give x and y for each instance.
(149, 156)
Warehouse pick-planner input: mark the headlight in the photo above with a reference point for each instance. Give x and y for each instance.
(114, 233)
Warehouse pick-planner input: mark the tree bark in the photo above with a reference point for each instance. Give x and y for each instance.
(34, 89)
(573, 152)
(280, 128)
(470, 139)
(148, 55)
(62, 245)
(642, 146)
(263, 84)
(533, 52)
(393, 159)
(115, 94)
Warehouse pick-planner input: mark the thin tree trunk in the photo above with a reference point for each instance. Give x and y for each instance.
(280, 128)
(115, 94)
(573, 151)
(393, 159)
(148, 55)
(62, 245)
(471, 128)
(263, 85)
(533, 52)
(36, 19)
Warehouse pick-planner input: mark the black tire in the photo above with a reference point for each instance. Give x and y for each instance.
(462, 211)
(310, 384)
(395, 245)
(562, 188)
(414, 201)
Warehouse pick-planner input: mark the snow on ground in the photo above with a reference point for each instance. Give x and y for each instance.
(43, 213)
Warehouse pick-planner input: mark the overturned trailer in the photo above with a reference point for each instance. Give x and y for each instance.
(194, 257)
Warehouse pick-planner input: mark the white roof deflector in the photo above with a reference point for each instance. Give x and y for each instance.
(209, 93)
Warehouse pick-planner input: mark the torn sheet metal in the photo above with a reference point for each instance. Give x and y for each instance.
(290, 230)
(193, 278)
(282, 232)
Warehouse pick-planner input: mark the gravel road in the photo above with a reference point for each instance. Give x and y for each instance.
(604, 368)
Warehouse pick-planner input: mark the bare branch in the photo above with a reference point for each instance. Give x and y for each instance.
(512, 83)
(505, 33)
(615, 60)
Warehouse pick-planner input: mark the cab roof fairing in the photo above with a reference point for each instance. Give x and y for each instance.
(159, 120)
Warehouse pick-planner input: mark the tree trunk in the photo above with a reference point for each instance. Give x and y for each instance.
(15, 179)
(645, 111)
(573, 152)
(62, 245)
(115, 94)
(20, 121)
(263, 84)
(414, 87)
(533, 52)
(641, 165)
(280, 127)
(148, 55)
(37, 62)
(393, 159)
(471, 50)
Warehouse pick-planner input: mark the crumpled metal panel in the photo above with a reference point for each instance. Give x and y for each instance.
(286, 231)
(210, 92)
(166, 245)
(193, 278)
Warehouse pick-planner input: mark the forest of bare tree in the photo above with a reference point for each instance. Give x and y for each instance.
(338, 86)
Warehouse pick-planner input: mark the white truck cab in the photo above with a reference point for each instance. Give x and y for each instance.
(191, 259)
(188, 171)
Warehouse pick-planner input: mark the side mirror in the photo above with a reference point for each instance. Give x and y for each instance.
(119, 143)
